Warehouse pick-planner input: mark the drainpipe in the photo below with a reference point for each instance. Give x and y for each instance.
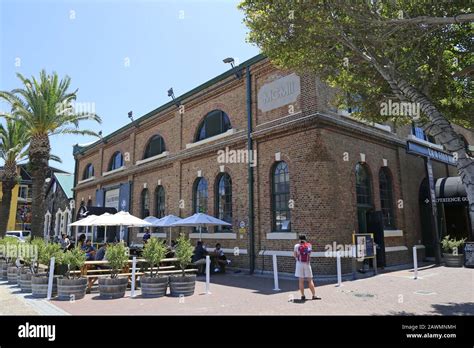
(250, 172)
(74, 192)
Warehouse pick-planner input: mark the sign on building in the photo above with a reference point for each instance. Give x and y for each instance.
(278, 93)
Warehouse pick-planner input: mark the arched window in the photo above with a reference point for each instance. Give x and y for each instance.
(215, 122)
(145, 204)
(200, 196)
(386, 198)
(224, 200)
(155, 146)
(88, 172)
(160, 202)
(281, 217)
(116, 161)
(364, 195)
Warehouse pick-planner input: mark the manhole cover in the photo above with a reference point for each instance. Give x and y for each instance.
(364, 295)
(425, 292)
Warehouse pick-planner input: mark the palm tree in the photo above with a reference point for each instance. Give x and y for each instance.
(46, 108)
(13, 140)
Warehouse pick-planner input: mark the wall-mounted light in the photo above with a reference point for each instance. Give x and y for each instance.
(130, 116)
(231, 61)
(102, 138)
(171, 94)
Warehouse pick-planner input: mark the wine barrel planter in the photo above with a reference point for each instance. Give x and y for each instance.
(154, 287)
(112, 287)
(451, 260)
(25, 282)
(71, 289)
(180, 285)
(12, 275)
(4, 270)
(39, 286)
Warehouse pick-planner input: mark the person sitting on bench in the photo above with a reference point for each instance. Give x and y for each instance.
(220, 260)
(199, 257)
(89, 250)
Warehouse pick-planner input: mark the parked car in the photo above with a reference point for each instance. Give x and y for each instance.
(21, 235)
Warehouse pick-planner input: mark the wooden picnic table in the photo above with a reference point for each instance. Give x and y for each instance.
(92, 278)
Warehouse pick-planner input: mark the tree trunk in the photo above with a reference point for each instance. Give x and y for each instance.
(8, 183)
(441, 129)
(39, 153)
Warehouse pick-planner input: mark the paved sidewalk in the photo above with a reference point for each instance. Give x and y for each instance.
(14, 302)
(438, 291)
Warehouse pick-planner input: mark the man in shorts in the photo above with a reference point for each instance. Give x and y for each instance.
(302, 254)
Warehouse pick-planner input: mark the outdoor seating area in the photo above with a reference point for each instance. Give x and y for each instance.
(64, 270)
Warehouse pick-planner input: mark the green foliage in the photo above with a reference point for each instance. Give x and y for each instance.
(37, 246)
(184, 252)
(450, 245)
(117, 257)
(47, 252)
(346, 42)
(74, 259)
(10, 245)
(153, 252)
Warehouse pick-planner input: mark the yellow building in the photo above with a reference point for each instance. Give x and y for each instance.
(13, 207)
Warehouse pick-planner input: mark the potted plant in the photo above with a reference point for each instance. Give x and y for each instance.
(452, 254)
(11, 255)
(183, 284)
(30, 264)
(154, 285)
(39, 281)
(69, 286)
(114, 287)
(3, 260)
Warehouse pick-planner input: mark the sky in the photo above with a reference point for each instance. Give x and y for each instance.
(121, 55)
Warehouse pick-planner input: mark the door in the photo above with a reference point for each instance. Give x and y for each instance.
(375, 226)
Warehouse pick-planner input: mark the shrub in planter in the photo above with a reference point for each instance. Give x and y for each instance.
(39, 282)
(30, 264)
(183, 284)
(114, 287)
(69, 286)
(152, 284)
(452, 251)
(9, 268)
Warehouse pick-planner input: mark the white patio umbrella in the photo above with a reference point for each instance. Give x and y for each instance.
(105, 220)
(201, 220)
(152, 220)
(167, 221)
(86, 222)
(125, 219)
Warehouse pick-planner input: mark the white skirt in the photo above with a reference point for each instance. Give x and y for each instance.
(303, 270)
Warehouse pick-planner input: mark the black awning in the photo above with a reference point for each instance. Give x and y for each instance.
(450, 190)
(99, 211)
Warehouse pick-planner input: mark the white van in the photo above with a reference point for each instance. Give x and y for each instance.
(21, 235)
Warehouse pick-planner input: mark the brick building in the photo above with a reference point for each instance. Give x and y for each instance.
(312, 169)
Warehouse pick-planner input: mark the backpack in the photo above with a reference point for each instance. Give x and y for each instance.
(304, 250)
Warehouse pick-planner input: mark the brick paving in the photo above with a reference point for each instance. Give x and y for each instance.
(440, 290)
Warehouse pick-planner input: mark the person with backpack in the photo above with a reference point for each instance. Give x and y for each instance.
(302, 253)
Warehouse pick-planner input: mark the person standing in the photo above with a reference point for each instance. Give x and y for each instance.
(302, 254)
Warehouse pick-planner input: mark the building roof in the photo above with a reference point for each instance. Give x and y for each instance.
(81, 149)
(66, 181)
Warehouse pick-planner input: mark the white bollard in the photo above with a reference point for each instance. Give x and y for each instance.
(275, 273)
(50, 279)
(339, 275)
(208, 273)
(415, 264)
(134, 267)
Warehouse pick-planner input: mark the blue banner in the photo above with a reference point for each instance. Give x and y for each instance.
(99, 198)
(425, 151)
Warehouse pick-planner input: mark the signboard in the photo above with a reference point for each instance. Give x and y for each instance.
(469, 254)
(364, 243)
(112, 198)
(425, 151)
(278, 93)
